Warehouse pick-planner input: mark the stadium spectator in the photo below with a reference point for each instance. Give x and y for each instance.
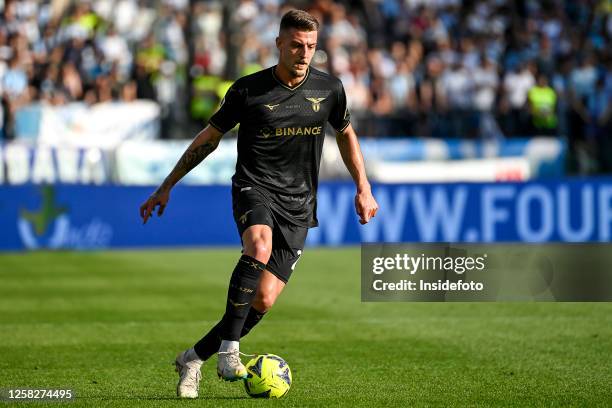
(432, 100)
(517, 84)
(599, 123)
(458, 86)
(486, 82)
(542, 107)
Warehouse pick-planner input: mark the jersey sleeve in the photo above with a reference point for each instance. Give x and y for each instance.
(228, 114)
(340, 116)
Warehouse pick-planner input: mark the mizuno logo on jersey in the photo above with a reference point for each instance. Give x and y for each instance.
(316, 103)
(271, 107)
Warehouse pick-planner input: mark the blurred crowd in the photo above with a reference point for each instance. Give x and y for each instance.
(441, 68)
(61, 51)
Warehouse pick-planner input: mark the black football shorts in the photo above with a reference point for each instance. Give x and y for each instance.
(250, 207)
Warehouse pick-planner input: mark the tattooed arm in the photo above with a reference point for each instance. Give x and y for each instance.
(204, 143)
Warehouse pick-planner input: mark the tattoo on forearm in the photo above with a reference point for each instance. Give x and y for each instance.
(190, 159)
(193, 157)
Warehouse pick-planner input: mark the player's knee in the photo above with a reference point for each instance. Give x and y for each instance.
(259, 249)
(264, 302)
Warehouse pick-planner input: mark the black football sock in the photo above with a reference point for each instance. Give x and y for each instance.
(251, 321)
(240, 295)
(209, 344)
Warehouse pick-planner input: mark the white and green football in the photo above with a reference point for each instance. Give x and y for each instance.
(268, 376)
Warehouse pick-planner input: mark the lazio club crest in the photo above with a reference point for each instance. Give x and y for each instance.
(316, 103)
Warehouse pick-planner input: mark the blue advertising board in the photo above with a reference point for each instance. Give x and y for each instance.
(551, 211)
(90, 217)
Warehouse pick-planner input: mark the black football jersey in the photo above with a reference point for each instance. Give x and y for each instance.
(280, 138)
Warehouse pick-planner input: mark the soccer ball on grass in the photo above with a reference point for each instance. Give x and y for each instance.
(268, 376)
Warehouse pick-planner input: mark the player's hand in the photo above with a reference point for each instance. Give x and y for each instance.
(159, 198)
(365, 205)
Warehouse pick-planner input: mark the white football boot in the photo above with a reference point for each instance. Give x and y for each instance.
(189, 376)
(229, 366)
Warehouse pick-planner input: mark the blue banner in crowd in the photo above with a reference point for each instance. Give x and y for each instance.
(91, 217)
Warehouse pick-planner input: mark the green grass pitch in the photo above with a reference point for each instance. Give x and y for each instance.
(108, 325)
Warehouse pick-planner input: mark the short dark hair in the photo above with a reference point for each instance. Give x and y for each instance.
(300, 20)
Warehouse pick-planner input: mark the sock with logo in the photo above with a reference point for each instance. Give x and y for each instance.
(240, 295)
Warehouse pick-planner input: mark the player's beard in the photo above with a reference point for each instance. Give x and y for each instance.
(296, 73)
